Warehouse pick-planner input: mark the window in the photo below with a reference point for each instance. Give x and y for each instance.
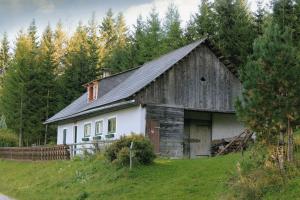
(87, 130)
(112, 125)
(99, 127)
(65, 136)
(92, 91)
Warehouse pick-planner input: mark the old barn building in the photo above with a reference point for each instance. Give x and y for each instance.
(182, 101)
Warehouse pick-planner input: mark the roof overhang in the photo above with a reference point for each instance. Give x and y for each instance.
(94, 112)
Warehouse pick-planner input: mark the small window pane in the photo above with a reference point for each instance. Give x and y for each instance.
(87, 130)
(112, 125)
(99, 127)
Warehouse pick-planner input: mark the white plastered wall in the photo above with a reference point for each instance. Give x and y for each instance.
(225, 126)
(129, 120)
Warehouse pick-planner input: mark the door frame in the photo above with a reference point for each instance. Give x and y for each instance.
(188, 122)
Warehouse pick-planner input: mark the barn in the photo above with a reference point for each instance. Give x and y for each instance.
(183, 101)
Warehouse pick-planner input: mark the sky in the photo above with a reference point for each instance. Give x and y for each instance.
(17, 14)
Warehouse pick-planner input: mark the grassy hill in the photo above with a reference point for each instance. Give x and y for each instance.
(166, 179)
(94, 179)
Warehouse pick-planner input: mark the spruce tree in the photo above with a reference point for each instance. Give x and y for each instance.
(235, 29)
(46, 95)
(153, 36)
(60, 47)
(108, 34)
(80, 67)
(4, 54)
(270, 80)
(120, 58)
(138, 46)
(259, 17)
(173, 34)
(3, 122)
(203, 23)
(15, 99)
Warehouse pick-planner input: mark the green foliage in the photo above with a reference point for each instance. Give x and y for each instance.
(118, 152)
(173, 33)
(203, 23)
(8, 138)
(256, 178)
(3, 122)
(5, 56)
(270, 81)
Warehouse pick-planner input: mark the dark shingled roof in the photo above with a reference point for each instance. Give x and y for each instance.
(137, 80)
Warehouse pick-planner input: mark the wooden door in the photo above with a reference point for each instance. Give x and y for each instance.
(200, 140)
(153, 134)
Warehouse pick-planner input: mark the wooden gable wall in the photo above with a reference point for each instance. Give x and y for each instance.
(199, 81)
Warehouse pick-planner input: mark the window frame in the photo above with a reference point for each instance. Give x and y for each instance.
(97, 121)
(108, 119)
(84, 125)
(65, 132)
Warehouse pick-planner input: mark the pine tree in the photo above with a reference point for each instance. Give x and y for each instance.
(120, 58)
(283, 13)
(121, 31)
(15, 98)
(60, 47)
(3, 122)
(203, 23)
(138, 46)
(173, 34)
(270, 80)
(94, 43)
(46, 95)
(32, 32)
(4, 54)
(153, 36)
(259, 17)
(235, 29)
(78, 67)
(108, 34)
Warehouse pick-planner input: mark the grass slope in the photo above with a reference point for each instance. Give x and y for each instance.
(166, 179)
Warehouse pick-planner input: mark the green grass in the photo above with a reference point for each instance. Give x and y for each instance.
(166, 179)
(199, 179)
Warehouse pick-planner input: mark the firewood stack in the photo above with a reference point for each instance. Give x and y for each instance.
(229, 145)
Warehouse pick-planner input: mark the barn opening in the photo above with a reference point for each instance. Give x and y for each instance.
(197, 134)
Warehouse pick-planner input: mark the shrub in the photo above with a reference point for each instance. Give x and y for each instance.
(8, 138)
(119, 151)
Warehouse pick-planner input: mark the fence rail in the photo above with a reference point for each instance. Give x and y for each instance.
(89, 147)
(59, 152)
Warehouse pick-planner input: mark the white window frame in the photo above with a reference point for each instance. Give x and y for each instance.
(112, 117)
(84, 135)
(100, 120)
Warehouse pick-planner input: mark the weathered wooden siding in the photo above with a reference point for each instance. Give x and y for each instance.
(171, 128)
(200, 81)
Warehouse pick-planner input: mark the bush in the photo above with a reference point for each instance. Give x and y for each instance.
(118, 152)
(8, 138)
(257, 177)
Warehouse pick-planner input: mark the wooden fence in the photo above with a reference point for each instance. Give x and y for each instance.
(60, 152)
(89, 147)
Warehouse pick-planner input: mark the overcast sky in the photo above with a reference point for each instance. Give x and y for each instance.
(17, 14)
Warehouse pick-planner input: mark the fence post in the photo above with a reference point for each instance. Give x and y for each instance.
(131, 155)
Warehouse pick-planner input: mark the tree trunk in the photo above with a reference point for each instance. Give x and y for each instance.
(21, 124)
(47, 115)
(290, 153)
(280, 151)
